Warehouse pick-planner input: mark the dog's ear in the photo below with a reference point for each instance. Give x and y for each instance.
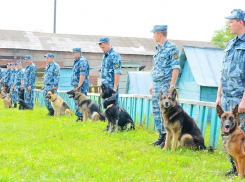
(235, 110)
(173, 92)
(219, 111)
(52, 91)
(79, 89)
(160, 95)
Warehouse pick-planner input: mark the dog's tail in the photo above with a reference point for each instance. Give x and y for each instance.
(102, 116)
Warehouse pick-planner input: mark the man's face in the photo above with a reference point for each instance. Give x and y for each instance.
(28, 61)
(234, 26)
(13, 67)
(18, 66)
(8, 67)
(49, 59)
(156, 36)
(105, 47)
(76, 55)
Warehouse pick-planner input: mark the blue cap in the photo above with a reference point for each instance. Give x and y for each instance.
(102, 40)
(49, 55)
(76, 49)
(237, 13)
(160, 28)
(13, 64)
(19, 63)
(9, 64)
(28, 57)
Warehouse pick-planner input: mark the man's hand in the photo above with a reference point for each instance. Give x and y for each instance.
(54, 88)
(218, 102)
(29, 88)
(241, 108)
(150, 90)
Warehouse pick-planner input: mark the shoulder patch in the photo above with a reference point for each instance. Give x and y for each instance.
(80, 69)
(116, 65)
(176, 56)
(56, 72)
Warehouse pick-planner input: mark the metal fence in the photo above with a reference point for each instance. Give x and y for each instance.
(140, 109)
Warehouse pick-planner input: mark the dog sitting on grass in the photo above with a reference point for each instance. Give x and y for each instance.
(88, 108)
(118, 118)
(24, 106)
(179, 125)
(7, 102)
(59, 105)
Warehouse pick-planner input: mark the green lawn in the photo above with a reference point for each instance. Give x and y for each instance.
(36, 147)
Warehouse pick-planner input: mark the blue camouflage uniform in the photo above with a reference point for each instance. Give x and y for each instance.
(232, 80)
(30, 80)
(111, 64)
(51, 79)
(19, 76)
(166, 58)
(2, 73)
(80, 67)
(13, 92)
(8, 76)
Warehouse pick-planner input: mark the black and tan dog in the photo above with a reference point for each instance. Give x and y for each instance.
(118, 118)
(6, 88)
(88, 108)
(59, 105)
(7, 102)
(179, 125)
(233, 137)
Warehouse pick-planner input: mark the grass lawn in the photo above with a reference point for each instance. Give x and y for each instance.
(36, 147)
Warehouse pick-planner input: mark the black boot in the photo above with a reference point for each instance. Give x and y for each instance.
(79, 118)
(160, 140)
(51, 112)
(15, 105)
(232, 171)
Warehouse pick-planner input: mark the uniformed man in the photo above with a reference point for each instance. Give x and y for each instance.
(80, 73)
(30, 80)
(1, 77)
(232, 82)
(8, 74)
(19, 79)
(51, 80)
(12, 91)
(111, 66)
(164, 75)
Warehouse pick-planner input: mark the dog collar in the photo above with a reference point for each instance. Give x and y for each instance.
(77, 97)
(55, 99)
(4, 97)
(108, 97)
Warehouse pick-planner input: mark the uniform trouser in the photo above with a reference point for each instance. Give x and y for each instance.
(227, 103)
(45, 92)
(157, 87)
(1, 85)
(78, 112)
(14, 96)
(17, 91)
(29, 96)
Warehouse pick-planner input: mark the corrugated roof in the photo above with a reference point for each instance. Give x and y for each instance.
(65, 42)
(205, 64)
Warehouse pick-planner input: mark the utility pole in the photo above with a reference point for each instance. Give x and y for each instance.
(54, 16)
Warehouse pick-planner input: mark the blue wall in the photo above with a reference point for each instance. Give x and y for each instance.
(208, 93)
(188, 88)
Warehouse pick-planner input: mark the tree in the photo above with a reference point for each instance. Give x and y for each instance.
(221, 37)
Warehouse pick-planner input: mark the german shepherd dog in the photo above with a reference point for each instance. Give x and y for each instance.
(179, 125)
(88, 108)
(6, 88)
(118, 118)
(7, 102)
(59, 105)
(233, 137)
(24, 106)
(21, 96)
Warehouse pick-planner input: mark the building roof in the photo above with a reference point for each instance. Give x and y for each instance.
(205, 64)
(14, 39)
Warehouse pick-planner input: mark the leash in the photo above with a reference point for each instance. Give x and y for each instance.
(240, 125)
(55, 99)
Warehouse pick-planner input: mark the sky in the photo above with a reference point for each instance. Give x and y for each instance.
(186, 19)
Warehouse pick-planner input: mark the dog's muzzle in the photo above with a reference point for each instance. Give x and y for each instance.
(166, 104)
(227, 128)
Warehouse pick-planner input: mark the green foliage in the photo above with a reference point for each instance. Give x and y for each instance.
(36, 147)
(221, 37)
